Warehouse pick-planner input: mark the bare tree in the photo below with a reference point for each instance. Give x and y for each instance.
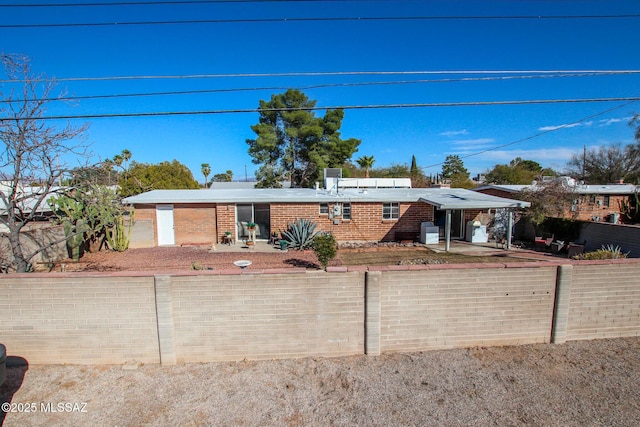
(33, 151)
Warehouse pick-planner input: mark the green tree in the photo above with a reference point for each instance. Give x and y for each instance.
(418, 179)
(223, 177)
(293, 143)
(206, 171)
(143, 177)
(366, 163)
(455, 173)
(106, 172)
(396, 170)
(325, 247)
(453, 165)
(518, 171)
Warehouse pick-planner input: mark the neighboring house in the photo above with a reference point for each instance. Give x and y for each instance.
(599, 203)
(238, 185)
(28, 196)
(175, 217)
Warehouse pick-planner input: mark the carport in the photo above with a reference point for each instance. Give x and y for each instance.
(453, 199)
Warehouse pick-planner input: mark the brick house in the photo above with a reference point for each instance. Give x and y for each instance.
(177, 217)
(599, 203)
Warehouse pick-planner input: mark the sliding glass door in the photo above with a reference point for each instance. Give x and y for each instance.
(258, 213)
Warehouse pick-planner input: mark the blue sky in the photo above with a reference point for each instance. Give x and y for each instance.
(391, 135)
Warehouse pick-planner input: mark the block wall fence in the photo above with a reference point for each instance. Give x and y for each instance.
(102, 318)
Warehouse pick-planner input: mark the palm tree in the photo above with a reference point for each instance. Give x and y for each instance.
(366, 162)
(206, 171)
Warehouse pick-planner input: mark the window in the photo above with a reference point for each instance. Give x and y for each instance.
(391, 210)
(346, 211)
(324, 208)
(607, 199)
(592, 200)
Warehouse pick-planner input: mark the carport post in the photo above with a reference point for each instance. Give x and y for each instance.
(447, 231)
(509, 227)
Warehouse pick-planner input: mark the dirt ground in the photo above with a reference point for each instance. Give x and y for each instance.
(587, 383)
(182, 258)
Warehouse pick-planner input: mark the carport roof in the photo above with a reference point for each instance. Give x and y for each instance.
(441, 198)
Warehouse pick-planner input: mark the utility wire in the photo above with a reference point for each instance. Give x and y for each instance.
(156, 3)
(330, 73)
(338, 19)
(342, 107)
(309, 87)
(540, 133)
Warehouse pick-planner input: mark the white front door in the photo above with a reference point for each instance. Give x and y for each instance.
(164, 217)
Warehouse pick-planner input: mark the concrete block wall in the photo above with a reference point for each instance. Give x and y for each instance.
(604, 300)
(597, 234)
(285, 313)
(264, 316)
(436, 308)
(79, 319)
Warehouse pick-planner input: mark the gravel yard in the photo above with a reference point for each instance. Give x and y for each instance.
(588, 383)
(164, 259)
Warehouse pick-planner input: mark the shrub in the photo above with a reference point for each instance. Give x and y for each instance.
(300, 234)
(325, 247)
(606, 252)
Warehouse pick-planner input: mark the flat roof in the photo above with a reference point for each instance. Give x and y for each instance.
(441, 198)
(579, 189)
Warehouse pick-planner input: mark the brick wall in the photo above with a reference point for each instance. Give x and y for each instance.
(195, 223)
(587, 208)
(226, 218)
(593, 208)
(366, 221)
(232, 315)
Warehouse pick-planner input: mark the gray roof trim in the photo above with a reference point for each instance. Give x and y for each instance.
(442, 198)
(578, 189)
(472, 200)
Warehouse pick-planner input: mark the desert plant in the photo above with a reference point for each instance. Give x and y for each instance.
(605, 252)
(119, 236)
(300, 234)
(325, 248)
(74, 233)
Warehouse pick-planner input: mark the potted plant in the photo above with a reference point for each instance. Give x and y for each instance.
(251, 225)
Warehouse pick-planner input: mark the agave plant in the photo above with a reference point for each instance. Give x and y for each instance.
(300, 234)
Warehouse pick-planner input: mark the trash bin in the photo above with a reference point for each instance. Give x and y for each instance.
(283, 245)
(3, 363)
(476, 232)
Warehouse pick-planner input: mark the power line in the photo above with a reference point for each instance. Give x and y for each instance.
(186, 2)
(343, 107)
(631, 101)
(331, 73)
(308, 87)
(334, 19)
